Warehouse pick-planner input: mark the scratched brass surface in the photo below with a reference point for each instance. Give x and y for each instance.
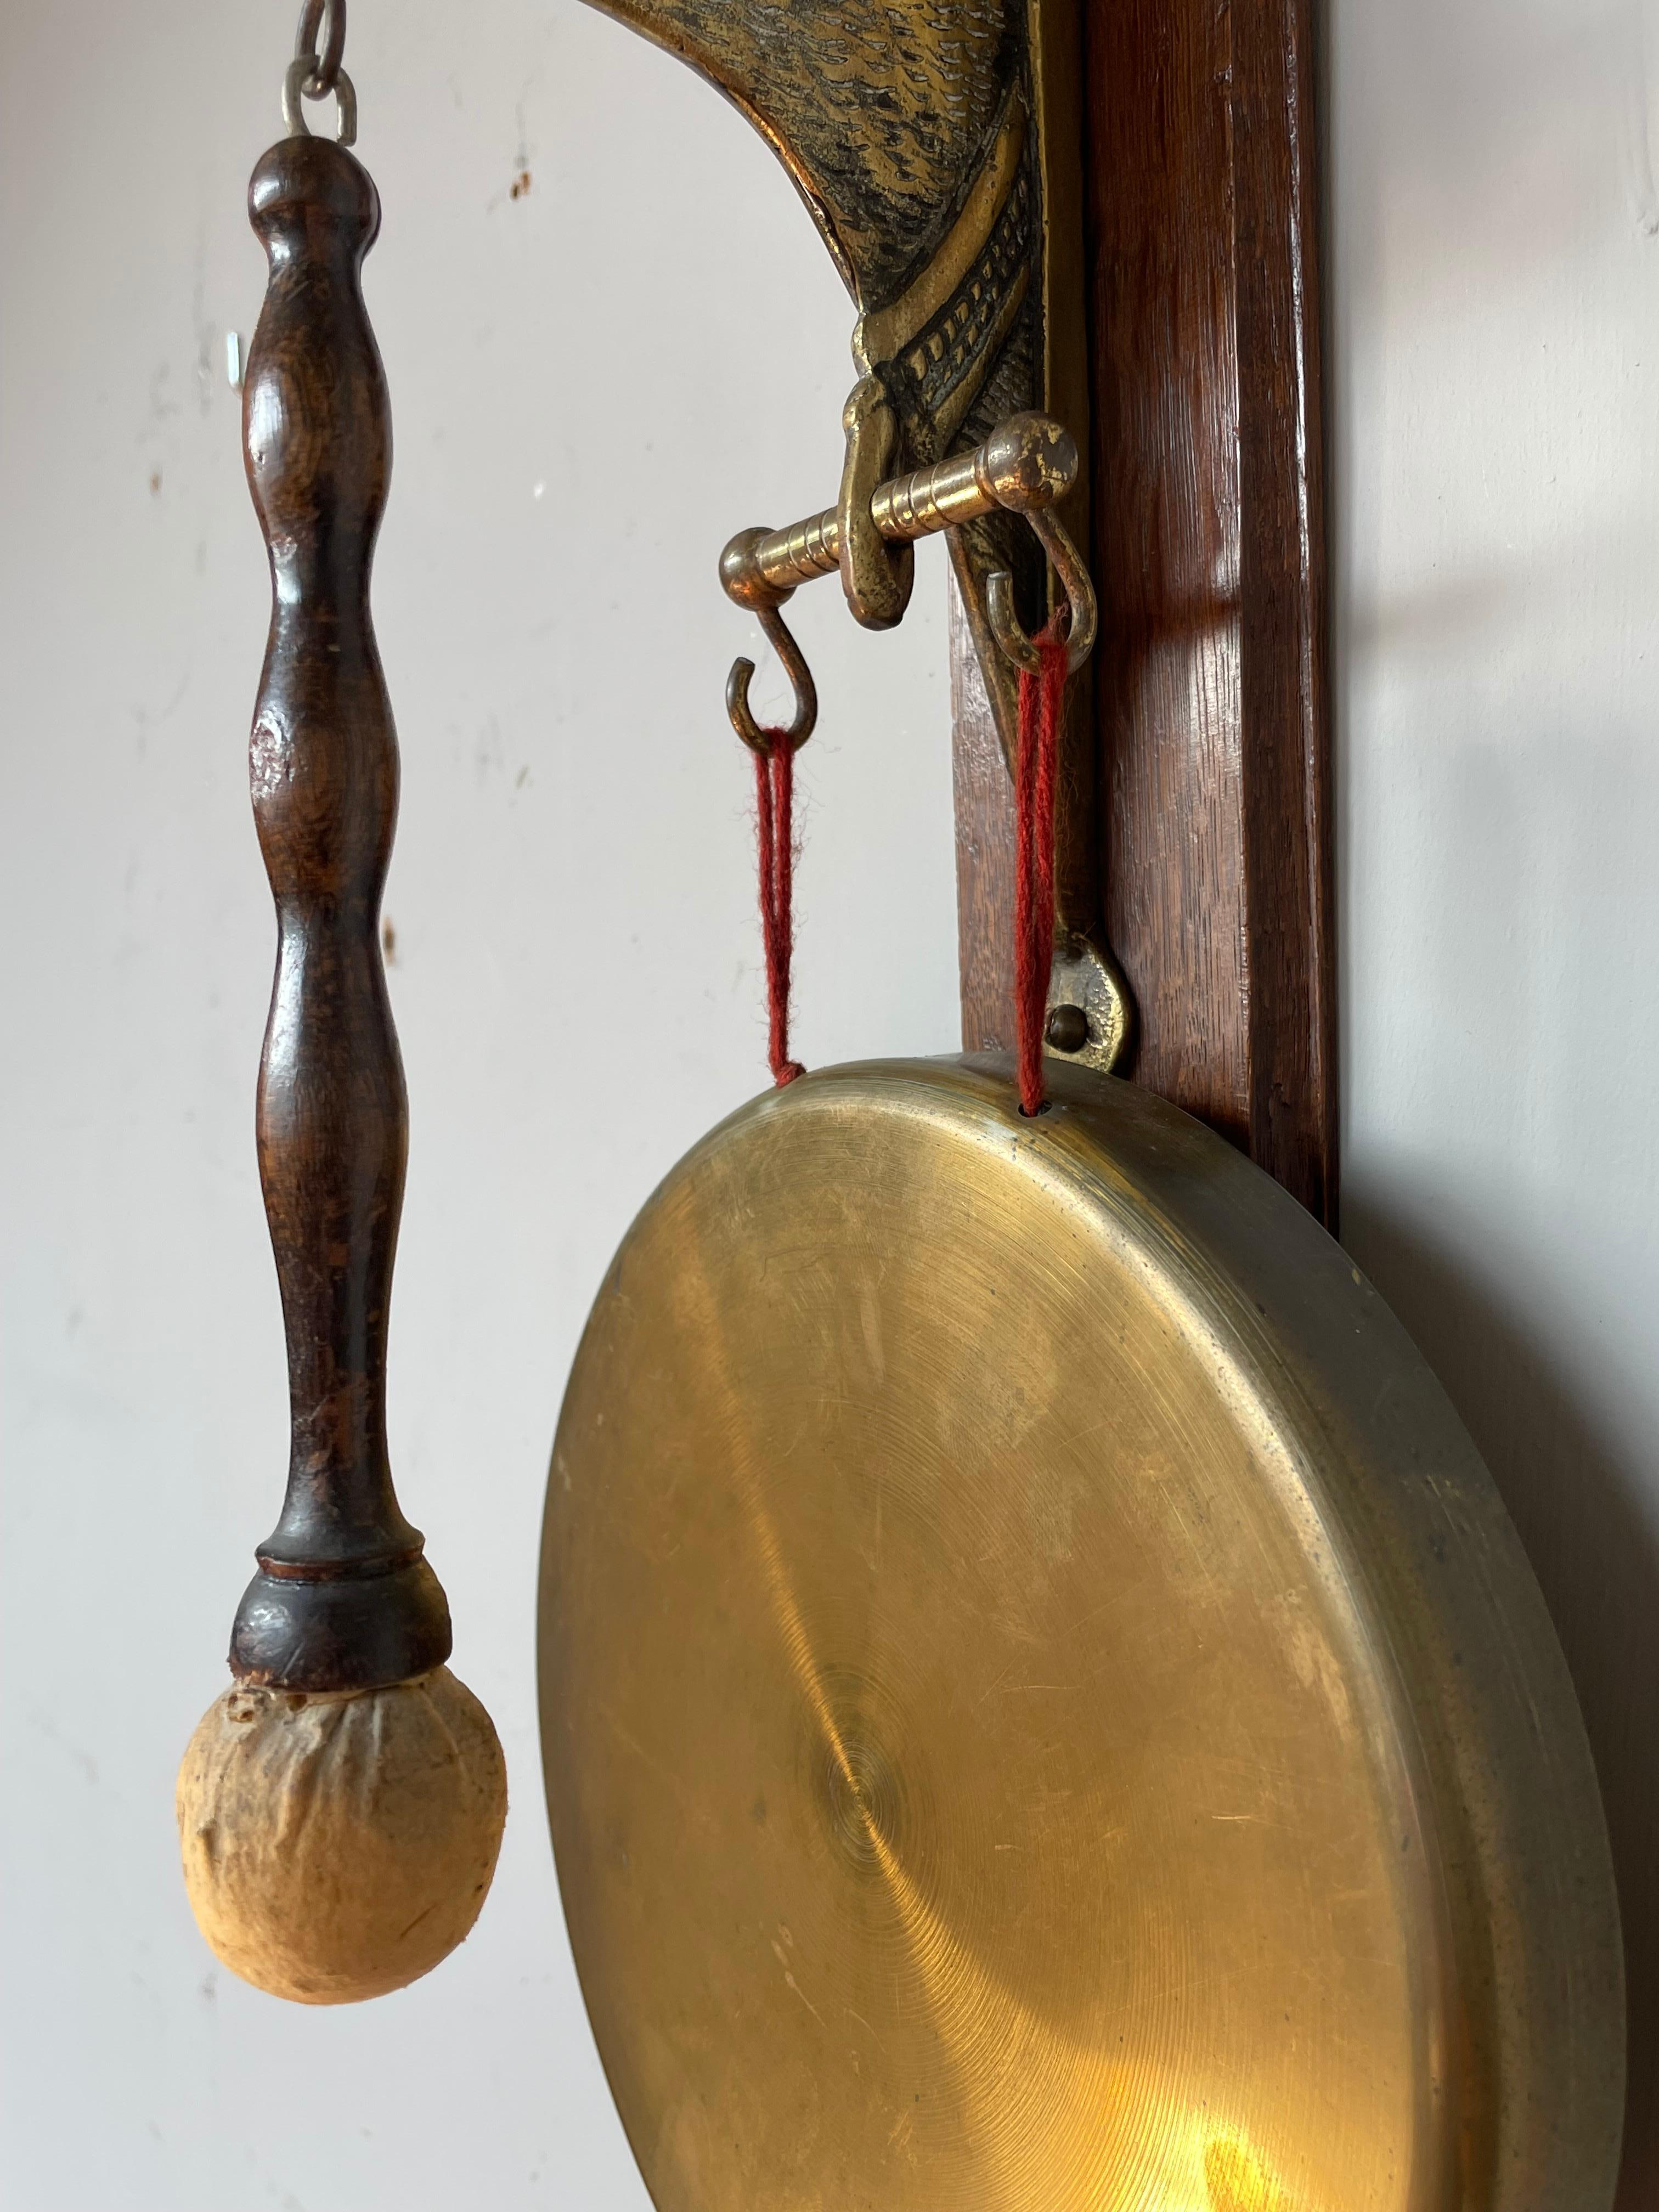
(1041, 1705)
(880, 109)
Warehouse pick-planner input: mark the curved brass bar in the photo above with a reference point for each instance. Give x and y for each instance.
(879, 110)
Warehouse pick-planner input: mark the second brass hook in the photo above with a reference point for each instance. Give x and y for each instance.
(1068, 565)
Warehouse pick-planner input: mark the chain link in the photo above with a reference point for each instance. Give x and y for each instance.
(315, 70)
(321, 41)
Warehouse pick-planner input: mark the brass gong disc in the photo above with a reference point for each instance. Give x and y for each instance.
(1041, 1705)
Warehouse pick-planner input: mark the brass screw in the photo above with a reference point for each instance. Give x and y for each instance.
(1068, 1028)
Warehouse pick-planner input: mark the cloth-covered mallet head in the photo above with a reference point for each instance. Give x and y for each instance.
(338, 1845)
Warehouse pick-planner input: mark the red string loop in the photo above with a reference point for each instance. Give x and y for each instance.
(774, 782)
(1041, 693)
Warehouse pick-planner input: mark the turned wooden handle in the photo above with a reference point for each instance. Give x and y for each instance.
(343, 1598)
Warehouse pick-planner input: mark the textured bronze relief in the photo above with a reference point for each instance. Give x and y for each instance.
(883, 114)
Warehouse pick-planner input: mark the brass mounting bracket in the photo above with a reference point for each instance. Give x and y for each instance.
(926, 145)
(1088, 1008)
(938, 150)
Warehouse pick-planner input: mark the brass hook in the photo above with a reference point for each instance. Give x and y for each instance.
(763, 599)
(1068, 564)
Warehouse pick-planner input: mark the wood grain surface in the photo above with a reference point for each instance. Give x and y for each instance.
(343, 1598)
(1209, 557)
(1207, 543)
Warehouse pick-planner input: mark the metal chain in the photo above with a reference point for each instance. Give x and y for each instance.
(315, 70)
(323, 52)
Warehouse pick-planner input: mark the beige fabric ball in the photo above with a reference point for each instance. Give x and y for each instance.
(338, 1846)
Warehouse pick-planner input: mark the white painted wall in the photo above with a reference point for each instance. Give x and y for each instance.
(572, 864)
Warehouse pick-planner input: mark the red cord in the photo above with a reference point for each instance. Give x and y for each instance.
(775, 780)
(1040, 695)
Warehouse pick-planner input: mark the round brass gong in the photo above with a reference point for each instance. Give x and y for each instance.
(1041, 1705)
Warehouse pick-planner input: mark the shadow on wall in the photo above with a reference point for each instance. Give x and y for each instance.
(1572, 1497)
(1492, 264)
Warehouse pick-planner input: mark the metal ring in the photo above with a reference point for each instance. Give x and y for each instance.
(293, 87)
(321, 41)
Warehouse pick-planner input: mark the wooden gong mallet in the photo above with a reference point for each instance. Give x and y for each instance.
(341, 1805)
